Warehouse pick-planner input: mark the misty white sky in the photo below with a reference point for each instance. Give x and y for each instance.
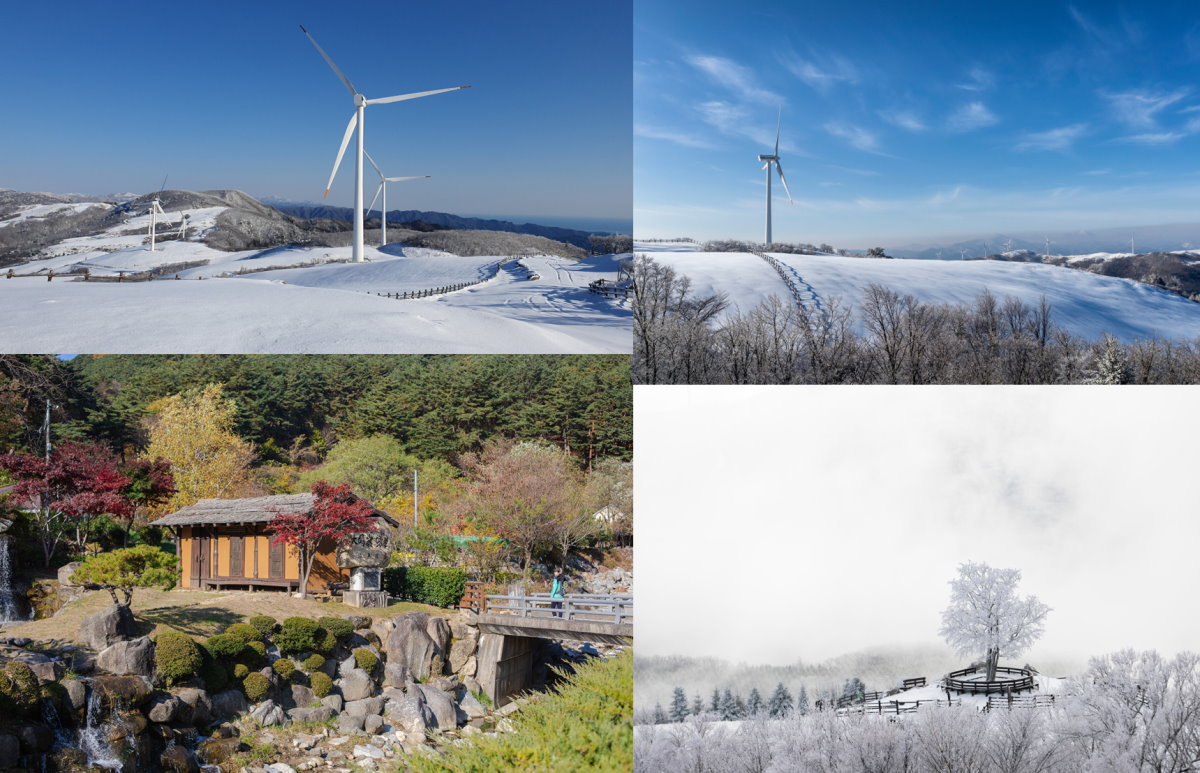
(784, 523)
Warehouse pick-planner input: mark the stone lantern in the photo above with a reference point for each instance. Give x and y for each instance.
(365, 554)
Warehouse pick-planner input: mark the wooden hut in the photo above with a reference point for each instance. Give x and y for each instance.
(224, 543)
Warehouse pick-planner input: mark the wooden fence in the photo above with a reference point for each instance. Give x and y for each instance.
(609, 289)
(895, 708)
(1019, 702)
(910, 684)
(474, 597)
(593, 607)
(411, 294)
(1025, 681)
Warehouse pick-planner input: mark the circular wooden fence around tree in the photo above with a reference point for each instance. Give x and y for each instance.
(1015, 680)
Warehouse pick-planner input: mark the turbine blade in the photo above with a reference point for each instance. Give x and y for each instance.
(402, 97)
(377, 169)
(342, 151)
(401, 179)
(764, 166)
(377, 192)
(329, 61)
(778, 126)
(779, 168)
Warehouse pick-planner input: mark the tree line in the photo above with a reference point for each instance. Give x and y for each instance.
(727, 705)
(681, 337)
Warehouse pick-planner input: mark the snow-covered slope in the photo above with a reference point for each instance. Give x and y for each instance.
(1086, 304)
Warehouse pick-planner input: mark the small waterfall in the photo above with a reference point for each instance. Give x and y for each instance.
(93, 738)
(8, 606)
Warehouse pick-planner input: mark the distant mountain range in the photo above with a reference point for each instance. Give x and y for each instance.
(1147, 238)
(443, 219)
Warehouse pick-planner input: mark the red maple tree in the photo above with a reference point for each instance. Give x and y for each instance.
(80, 482)
(335, 513)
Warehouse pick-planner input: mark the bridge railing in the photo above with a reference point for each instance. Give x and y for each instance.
(614, 608)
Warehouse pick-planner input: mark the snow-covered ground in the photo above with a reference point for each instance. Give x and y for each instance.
(39, 211)
(1086, 304)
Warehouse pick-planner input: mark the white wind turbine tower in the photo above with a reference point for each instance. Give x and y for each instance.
(383, 181)
(1047, 248)
(155, 210)
(774, 159)
(356, 122)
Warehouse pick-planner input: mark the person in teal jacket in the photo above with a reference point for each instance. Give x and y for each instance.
(556, 591)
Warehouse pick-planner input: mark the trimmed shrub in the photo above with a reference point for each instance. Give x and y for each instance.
(240, 671)
(284, 667)
(176, 656)
(365, 659)
(440, 586)
(313, 663)
(320, 684)
(244, 631)
(20, 688)
(256, 686)
(296, 635)
(338, 626)
(258, 647)
(215, 676)
(324, 641)
(224, 646)
(264, 624)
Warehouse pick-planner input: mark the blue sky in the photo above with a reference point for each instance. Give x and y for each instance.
(904, 121)
(109, 97)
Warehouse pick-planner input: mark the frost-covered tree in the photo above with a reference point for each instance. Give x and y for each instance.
(660, 716)
(987, 617)
(697, 706)
(728, 708)
(754, 704)
(780, 704)
(679, 706)
(1112, 367)
(715, 705)
(802, 707)
(853, 688)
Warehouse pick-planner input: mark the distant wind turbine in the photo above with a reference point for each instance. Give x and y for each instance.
(155, 210)
(1131, 249)
(1047, 252)
(383, 181)
(356, 122)
(774, 159)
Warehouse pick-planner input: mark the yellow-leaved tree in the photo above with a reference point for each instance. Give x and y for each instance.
(194, 430)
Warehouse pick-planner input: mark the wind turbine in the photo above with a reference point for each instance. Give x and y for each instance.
(1047, 252)
(774, 159)
(383, 181)
(356, 122)
(155, 210)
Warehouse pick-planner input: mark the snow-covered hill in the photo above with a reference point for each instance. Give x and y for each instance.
(1084, 303)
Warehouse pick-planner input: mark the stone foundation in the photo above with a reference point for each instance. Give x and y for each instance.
(365, 598)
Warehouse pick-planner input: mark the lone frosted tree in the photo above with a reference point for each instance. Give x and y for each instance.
(986, 615)
(728, 708)
(802, 707)
(780, 704)
(679, 705)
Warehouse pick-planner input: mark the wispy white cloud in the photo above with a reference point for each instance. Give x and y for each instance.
(830, 71)
(973, 115)
(905, 119)
(978, 79)
(1153, 138)
(853, 170)
(735, 77)
(855, 135)
(667, 135)
(734, 120)
(943, 197)
(1139, 109)
(1098, 171)
(1054, 139)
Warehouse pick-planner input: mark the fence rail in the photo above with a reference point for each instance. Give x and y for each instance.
(893, 707)
(1010, 702)
(592, 607)
(403, 295)
(976, 687)
(609, 289)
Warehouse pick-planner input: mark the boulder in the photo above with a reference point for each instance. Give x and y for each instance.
(83, 662)
(279, 767)
(216, 750)
(350, 723)
(363, 707)
(196, 706)
(359, 621)
(346, 666)
(322, 714)
(302, 695)
(373, 724)
(65, 571)
(10, 751)
(471, 706)
(382, 628)
(128, 657)
(164, 708)
(448, 684)
(268, 713)
(410, 713)
(438, 629)
(229, 703)
(35, 738)
(76, 693)
(334, 702)
(410, 646)
(178, 759)
(102, 629)
(472, 684)
(128, 690)
(441, 705)
(461, 651)
(395, 675)
(46, 669)
(356, 685)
